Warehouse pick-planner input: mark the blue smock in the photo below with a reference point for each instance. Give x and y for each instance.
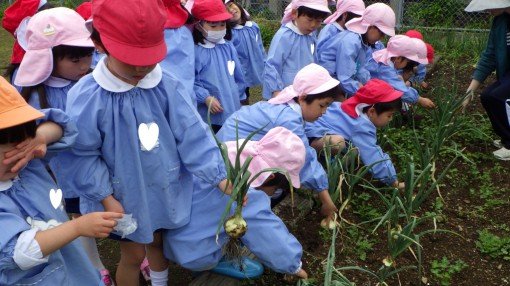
(140, 144)
(218, 73)
(345, 58)
(248, 42)
(180, 58)
(389, 74)
(417, 77)
(361, 132)
(253, 117)
(326, 34)
(290, 51)
(27, 197)
(194, 245)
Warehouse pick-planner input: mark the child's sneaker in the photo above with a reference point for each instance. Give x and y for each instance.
(107, 279)
(145, 269)
(502, 154)
(251, 268)
(497, 143)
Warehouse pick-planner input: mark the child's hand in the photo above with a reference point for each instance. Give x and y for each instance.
(424, 85)
(275, 93)
(98, 224)
(110, 204)
(302, 274)
(426, 103)
(214, 103)
(223, 184)
(24, 152)
(399, 185)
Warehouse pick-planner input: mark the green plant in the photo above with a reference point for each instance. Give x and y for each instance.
(359, 242)
(493, 245)
(444, 270)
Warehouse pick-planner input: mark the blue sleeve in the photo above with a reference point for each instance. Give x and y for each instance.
(268, 237)
(273, 68)
(420, 74)
(239, 75)
(200, 91)
(347, 67)
(197, 148)
(12, 226)
(365, 139)
(68, 126)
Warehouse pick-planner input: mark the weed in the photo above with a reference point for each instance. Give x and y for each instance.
(444, 270)
(493, 245)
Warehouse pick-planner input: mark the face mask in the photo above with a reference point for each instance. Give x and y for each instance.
(214, 36)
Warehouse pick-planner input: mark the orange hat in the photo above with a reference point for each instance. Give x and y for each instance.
(14, 110)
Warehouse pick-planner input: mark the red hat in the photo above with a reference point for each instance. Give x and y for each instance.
(176, 16)
(85, 10)
(131, 30)
(414, 34)
(13, 16)
(210, 10)
(373, 92)
(430, 53)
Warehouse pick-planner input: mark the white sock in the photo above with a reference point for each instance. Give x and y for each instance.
(159, 278)
(90, 247)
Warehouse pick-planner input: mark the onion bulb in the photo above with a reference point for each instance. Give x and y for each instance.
(235, 226)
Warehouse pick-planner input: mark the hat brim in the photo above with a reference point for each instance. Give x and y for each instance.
(35, 67)
(331, 83)
(88, 25)
(417, 59)
(479, 6)
(224, 16)
(386, 30)
(19, 115)
(357, 26)
(321, 8)
(176, 16)
(136, 56)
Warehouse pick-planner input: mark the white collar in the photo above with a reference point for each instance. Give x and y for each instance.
(247, 24)
(359, 109)
(209, 45)
(5, 185)
(295, 106)
(340, 28)
(110, 82)
(57, 82)
(294, 28)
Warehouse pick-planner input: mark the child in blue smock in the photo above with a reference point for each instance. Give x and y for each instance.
(346, 10)
(247, 40)
(346, 55)
(357, 120)
(195, 247)
(38, 244)
(140, 138)
(293, 45)
(304, 101)
(417, 77)
(219, 78)
(402, 53)
(180, 58)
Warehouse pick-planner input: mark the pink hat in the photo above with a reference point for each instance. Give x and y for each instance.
(176, 15)
(430, 53)
(210, 10)
(279, 148)
(373, 92)
(400, 46)
(379, 15)
(354, 6)
(422, 50)
(414, 34)
(45, 30)
(131, 30)
(319, 5)
(311, 79)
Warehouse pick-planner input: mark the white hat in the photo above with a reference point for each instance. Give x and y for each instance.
(482, 5)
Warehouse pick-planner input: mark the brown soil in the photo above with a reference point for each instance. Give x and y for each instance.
(464, 213)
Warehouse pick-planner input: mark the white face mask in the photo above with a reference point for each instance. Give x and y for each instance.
(214, 36)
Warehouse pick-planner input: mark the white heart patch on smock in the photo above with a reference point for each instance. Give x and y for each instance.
(148, 134)
(56, 197)
(312, 48)
(231, 66)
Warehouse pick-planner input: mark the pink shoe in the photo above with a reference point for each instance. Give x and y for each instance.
(107, 279)
(145, 269)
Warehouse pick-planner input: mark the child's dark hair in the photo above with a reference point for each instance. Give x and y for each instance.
(336, 93)
(279, 181)
(198, 38)
(244, 17)
(190, 20)
(410, 66)
(312, 13)
(18, 133)
(10, 69)
(59, 52)
(351, 16)
(380, 107)
(96, 38)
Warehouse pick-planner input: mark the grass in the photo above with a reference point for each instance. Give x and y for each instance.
(5, 49)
